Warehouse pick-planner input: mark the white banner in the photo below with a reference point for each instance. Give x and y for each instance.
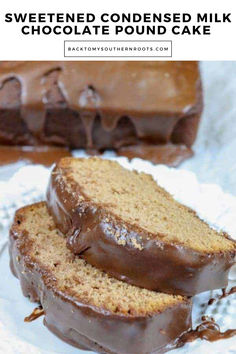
(151, 30)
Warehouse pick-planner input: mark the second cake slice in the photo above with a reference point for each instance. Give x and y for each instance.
(84, 306)
(122, 222)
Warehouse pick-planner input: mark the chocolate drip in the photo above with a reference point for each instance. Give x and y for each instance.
(168, 154)
(109, 121)
(224, 294)
(208, 330)
(44, 155)
(36, 313)
(88, 119)
(211, 301)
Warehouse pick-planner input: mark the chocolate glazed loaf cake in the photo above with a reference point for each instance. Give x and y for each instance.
(146, 109)
(83, 305)
(125, 224)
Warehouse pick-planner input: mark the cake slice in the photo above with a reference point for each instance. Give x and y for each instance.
(83, 305)
(122, 222)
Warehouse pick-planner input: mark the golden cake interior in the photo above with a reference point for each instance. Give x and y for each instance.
(43, 244)
(137, 199)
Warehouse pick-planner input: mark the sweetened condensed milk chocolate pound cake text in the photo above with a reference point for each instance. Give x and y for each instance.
(83, 305)
(122, 222)
(155, 106)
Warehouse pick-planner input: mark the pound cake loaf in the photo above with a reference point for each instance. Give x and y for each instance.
(102, 105)
(83, 305)
(122, 222)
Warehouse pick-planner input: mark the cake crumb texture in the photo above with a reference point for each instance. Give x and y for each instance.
(138, 200)
(41, 243)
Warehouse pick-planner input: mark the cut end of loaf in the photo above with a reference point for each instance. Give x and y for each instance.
(39, 241)
(138, 200)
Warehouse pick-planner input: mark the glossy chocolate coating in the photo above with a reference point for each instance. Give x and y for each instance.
(86, 326)
(160, 266)
(44, 155)
(167, 154)
(208, 330)
(100, 105)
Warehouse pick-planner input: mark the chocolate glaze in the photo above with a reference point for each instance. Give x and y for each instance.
(168, 154)
(45, 155)
(36, 313)
(100, 105)
(86, 326)
(225, 293)
(208, 330)
(211, 301)
(165, 267)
